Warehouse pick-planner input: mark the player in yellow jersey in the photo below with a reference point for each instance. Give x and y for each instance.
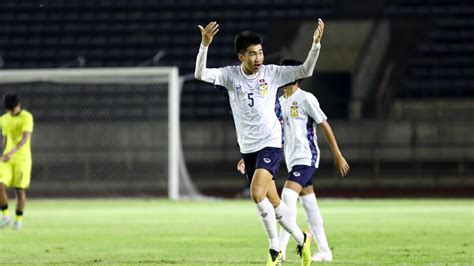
(15, 166)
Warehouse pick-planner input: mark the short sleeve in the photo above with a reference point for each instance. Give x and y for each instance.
(313, 109)
(27, 124)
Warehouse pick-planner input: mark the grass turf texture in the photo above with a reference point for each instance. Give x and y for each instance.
(135, 232)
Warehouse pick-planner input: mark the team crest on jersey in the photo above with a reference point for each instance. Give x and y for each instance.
(263, 85)
(294, 109)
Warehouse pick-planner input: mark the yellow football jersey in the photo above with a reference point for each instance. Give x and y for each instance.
(13, 128)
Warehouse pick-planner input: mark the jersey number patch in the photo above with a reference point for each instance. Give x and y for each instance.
(249, 95)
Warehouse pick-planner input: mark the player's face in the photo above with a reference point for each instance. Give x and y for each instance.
(16, 110)
(252, 59)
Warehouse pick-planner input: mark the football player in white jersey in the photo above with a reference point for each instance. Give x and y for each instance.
(252, 88)
(301, 113)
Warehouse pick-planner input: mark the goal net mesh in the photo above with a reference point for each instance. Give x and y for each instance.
(99, 135)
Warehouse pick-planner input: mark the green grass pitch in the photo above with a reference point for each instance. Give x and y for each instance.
(228, 232)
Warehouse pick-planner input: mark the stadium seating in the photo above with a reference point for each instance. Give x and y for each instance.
(442, 63)
(129, 33)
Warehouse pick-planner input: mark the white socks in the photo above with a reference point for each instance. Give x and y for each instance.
(290, 197)
(285, 214)
(286, 217)
(267, 216)
(315, 221)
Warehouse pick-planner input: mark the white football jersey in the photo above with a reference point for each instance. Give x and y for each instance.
(253, 99)
(301, 114)
(254, 103)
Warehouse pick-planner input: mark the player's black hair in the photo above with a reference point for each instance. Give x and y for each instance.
(291, 62)
(10, 101)
(245, 39)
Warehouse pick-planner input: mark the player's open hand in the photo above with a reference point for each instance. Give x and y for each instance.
(318, 33)
(208, 32)
(241, 166)
(342, 167)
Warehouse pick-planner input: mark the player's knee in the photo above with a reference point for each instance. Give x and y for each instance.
(257, 195)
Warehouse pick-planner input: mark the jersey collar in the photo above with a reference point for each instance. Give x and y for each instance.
(294, 93)
(253, 76)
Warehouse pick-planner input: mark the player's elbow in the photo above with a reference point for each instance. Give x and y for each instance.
(197, 75)
(309, 71)
(306, 72)
(326, 128)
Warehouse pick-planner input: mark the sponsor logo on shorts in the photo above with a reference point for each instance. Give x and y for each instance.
(267, 160)
(296, 174)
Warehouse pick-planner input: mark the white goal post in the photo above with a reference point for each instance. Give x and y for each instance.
(138, 75)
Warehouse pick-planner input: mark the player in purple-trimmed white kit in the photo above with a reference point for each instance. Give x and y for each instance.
(252, 88)
(301, 114)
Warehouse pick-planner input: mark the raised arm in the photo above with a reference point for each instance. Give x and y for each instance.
(342, 167)
(201, 72)
(306, 69)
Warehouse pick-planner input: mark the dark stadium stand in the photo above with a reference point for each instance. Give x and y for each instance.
(38, 34)
(52, 34)
(125, 33)
(442, 63)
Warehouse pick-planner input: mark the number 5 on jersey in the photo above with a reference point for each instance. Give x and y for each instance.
(249, 95)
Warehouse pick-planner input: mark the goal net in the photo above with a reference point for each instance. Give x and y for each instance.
(104, 132)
